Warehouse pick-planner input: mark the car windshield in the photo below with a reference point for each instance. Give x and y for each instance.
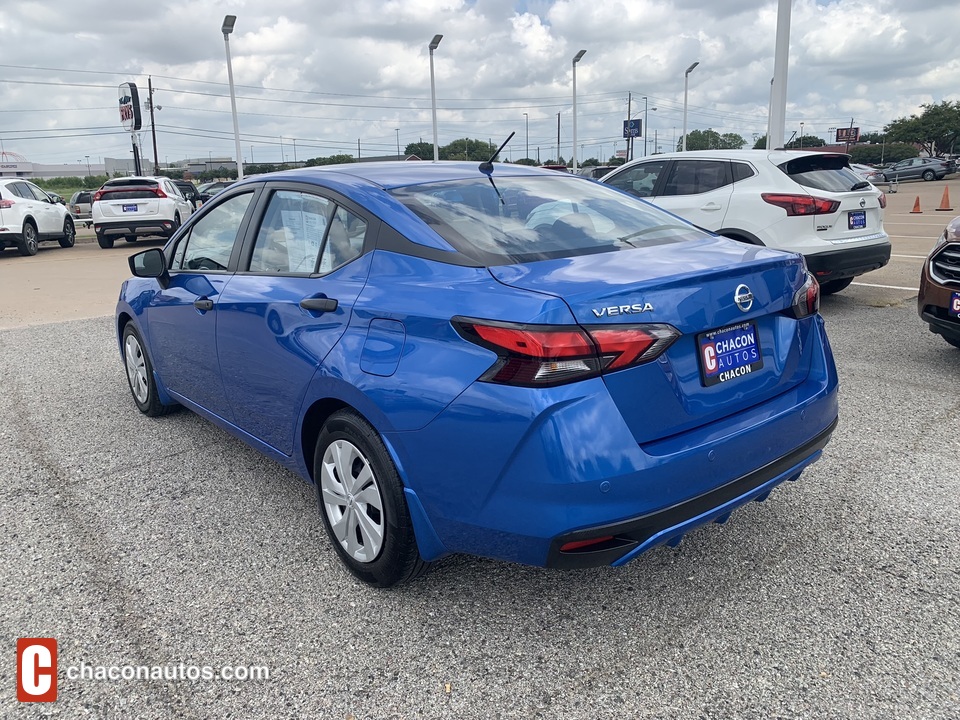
(831, 173)
(524, 219)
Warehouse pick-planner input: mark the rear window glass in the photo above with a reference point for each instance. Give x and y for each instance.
(524, 219)
(127, 193)
(831, 173)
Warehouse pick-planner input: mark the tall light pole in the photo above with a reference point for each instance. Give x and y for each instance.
(686, 83)
(646, 111)
(801, 135)
(397, 130)
(576, 59)
(433, 96)
(88, 164)
(526, 122)
(226, 29)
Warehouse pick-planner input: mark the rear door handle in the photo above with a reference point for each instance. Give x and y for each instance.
(712, 206)
(319, 304)
(203, 304)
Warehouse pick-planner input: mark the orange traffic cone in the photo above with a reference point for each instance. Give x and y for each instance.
(916, 206)
(945, 202)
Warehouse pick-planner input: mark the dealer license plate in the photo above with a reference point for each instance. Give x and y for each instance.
(129, 208)
(729, 353)
(955, 304)
(857, 219)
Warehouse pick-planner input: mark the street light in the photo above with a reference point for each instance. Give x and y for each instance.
(686, 81)
(645, 124)
(398, 142)
(526, 121)
(226, 29)
(88, 164)
(801, 135)
(576, 59)
(433, 96)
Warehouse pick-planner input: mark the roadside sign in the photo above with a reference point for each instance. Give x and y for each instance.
(848, 135)
(621, 154)
(129, 107)
(631, 128)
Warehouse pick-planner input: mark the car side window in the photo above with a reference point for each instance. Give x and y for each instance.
(210, 242)
(742, 171)
(639, 180)
(344, 240)
(692, 177)
(291, 234)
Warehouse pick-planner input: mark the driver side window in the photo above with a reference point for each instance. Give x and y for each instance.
(210, 241)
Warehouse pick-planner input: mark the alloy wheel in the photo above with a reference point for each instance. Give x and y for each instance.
(136, 369)
(352, 500)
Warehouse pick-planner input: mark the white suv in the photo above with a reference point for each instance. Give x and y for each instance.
(28, 216)
(131, 207)
(805, 202)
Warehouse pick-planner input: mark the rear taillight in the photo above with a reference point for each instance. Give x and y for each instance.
(159, 192)
(98, 195)
(882, 199)
(544, 355)
(802, 204)
(806, 301)
(6, 204)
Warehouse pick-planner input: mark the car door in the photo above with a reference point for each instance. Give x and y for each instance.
(280, 317)
(640, 179)
(182, 317)
(697, 190)
(44, 210)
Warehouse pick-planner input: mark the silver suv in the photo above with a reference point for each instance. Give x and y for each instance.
(134, 207)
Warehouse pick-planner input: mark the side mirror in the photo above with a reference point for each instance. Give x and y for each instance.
(150, 264)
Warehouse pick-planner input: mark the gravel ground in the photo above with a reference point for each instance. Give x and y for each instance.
(160, 542)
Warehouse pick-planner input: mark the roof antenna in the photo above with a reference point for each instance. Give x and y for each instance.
(487, 167)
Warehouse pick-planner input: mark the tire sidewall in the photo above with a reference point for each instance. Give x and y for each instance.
(388, 567)
(69, 238)
(31, 241)
(148, 406)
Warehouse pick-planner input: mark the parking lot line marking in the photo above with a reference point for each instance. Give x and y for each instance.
(915, 257)
(887, 287)
(894, 222)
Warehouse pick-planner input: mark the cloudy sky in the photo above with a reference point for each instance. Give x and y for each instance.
(314, 77)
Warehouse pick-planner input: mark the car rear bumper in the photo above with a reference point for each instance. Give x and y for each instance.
(848, 262)
(158, 226)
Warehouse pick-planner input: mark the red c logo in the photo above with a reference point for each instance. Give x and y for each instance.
(36, 669)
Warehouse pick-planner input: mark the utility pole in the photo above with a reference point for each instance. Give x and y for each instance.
(153, 126)
(848, 137)
(558, 138)
(629, 134)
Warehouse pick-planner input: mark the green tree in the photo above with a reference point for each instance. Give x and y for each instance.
(807, 141)
(872, 137)
(761, 143)
(712, 140)
(936, 129)
(882, 153)
(526, 161)
(331, 160)
(422, 150)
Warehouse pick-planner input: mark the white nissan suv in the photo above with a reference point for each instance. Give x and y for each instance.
(805, 202)
(132, 207)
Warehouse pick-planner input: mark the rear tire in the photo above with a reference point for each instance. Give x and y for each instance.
(30, 242)
(69, 234)
(105, 242)
(834, 286)
(362, 503)
(928, 175)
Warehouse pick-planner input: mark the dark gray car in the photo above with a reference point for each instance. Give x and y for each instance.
(916, 168)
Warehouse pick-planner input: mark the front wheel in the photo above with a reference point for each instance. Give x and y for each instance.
(928, 175)
(834, 286)
(31, 241)
(140, 374)
(362, 503)
(69, 234)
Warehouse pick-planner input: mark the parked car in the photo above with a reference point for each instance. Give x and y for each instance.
(456, 374)
(596, 171)
(29, 216)
(190, 192)
(81, 207)
(208, 190)
(802, 201)
(134, 207)
(558, 168)
(917, 168)
(939, 300)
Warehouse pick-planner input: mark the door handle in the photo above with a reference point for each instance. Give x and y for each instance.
(712, 206)
(203, 304)
(320, 304)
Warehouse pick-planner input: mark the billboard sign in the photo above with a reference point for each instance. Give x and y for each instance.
(848, 135)
(631, 128)
(129, 107)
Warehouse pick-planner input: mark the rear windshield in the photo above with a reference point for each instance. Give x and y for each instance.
(524, 219)
(831, 173)
(133, 193)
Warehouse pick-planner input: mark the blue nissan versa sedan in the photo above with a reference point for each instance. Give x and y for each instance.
(496, 360)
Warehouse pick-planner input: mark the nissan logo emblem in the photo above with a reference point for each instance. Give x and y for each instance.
(863, 202)
(743, 297)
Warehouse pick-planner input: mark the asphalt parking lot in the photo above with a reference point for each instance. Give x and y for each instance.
(159, 542)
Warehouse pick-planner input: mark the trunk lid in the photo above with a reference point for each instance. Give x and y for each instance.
(691, 286)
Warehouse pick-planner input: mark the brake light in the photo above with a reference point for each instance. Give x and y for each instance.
(159, 192)
(545, 355)
(802, 204)
(806, 301)
(98, 195)
(882, 199)
(6, 204)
